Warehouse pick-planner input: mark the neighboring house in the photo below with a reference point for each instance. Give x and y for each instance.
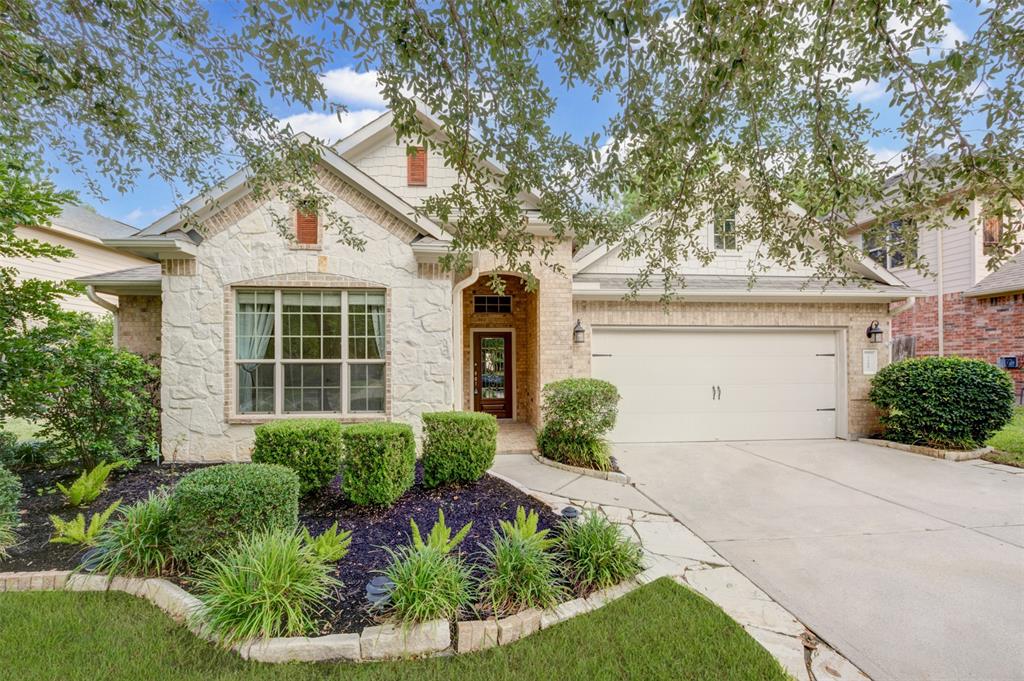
(82, 231)
(253, 327)
(966, 309)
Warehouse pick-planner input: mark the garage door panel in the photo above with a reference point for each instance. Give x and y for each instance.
(771, 383)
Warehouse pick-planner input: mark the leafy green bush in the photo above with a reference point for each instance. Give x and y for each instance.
(76, 531)
(428, 581)
(89, 485)
(458, 446)
(942, 401)
(578, 413)
(310, 447)
(521, 572)
(10, 493)
(596, 554)
(101, 407)
(212, 506)
(138, 542)
(379, 463)
(271, 584)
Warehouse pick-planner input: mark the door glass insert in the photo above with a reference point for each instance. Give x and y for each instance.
(492, 360)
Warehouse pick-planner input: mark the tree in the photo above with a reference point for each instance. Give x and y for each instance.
(718, 102)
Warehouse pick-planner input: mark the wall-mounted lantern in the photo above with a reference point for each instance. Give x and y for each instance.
(578, 332)
(874, 332)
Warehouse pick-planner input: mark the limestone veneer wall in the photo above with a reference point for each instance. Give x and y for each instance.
(862, 417)
(242, 246)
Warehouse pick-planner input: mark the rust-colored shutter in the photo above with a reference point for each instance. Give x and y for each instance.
(306, 227)
(416, 167)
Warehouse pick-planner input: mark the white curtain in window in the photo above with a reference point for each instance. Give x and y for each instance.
(253, 333)
(377, 319)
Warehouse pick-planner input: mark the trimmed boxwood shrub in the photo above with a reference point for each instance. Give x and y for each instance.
(458, 446)
(578, 413)
(942, 401)
(310, 447)
(379, 463)
(212, 506)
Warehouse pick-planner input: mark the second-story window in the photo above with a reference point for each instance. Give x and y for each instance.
(890, 247)
(416, 166)
(725, 232)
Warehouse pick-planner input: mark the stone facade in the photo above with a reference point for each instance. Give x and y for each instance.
(138, 325)
(982, 328)
(243, 248)
(862, 418)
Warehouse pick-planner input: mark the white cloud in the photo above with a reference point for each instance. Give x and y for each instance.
(328, 126)
(142, 217)
(350, 87)
(887, 156)
(867, 90)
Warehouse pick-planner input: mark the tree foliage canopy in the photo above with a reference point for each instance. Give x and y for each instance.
(718, 102)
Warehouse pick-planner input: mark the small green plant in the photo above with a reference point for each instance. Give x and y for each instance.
(458, 446)
(76, 531)
(521, 571)
(89, 485)
(271, 584)
(329, 546)
(379, 464)
(212, 506)
(596, 554)
(138, 542)
(10, 493)
(310, 447)
(440, 536)
(578, 413)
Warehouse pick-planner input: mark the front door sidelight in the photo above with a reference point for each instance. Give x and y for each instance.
(492, 374)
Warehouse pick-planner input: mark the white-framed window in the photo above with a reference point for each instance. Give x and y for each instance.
(888, 247)
(725, 232)
(310, 351)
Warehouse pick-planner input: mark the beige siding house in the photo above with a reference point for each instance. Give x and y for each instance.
(253, 326)
(82, 231)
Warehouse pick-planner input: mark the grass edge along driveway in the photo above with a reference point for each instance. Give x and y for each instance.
(1009, 442)
(661, 631)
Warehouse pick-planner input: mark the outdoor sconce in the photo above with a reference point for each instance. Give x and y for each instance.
(578, 332)
(874, 332)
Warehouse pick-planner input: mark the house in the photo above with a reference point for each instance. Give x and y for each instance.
(82, 231)
(253, 326)
(965, 308)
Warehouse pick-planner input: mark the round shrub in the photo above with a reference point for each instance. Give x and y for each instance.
(10, 492)
(212, 506)
(458, 446)
(310, 447)
(379, 463)
(942, 401)
(578, 413)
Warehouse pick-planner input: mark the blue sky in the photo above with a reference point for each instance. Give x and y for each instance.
(576, 114)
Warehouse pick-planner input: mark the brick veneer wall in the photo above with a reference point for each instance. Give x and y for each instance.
(862, 417)
(523, 319)
(983, 328)
(138, 325)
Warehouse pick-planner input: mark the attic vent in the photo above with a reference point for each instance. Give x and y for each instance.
(306, 231)
(416, 166)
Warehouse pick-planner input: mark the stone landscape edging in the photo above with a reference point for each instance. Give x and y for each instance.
(613, 476)
(934, 452)
(375, 643)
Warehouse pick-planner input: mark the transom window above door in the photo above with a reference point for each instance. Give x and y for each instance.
(310, 351)
(492, 303)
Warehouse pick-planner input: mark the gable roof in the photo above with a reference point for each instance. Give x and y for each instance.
(236, 186)
(1007, 279)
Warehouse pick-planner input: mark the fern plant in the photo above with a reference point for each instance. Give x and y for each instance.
(329, 546)
(440, 536)
(76, 531)
(521, 570)
(90, 484)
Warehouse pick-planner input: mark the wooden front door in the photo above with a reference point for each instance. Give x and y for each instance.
(492, 373)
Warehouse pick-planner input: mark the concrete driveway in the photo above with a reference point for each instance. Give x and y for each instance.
(911, 567)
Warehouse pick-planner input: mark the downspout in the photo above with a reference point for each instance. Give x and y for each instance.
(940, 288)
(91, 294)
(457, 331)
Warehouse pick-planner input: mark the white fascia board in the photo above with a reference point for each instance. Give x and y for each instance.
(155, 248)
(810, 296)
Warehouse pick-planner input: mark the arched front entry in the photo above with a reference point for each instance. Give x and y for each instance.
(500, 349)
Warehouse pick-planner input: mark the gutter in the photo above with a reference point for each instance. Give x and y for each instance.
(90, 293)
(457, 369)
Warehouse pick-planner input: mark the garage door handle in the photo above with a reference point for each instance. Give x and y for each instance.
(599, 354)
(828, 409)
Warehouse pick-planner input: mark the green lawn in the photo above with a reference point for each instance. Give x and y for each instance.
(662, 631)
(1009, 442)
(24, 430)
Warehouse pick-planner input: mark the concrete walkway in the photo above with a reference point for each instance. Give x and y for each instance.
(912, 567)
(673, 550)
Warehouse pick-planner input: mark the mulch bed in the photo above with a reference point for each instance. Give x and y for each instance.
(483, 503)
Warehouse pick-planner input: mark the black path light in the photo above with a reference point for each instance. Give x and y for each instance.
(378, 590)
(570, 513)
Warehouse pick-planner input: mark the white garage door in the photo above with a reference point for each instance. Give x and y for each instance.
(681, 385)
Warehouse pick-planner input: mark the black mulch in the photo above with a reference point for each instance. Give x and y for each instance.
(483, 503)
